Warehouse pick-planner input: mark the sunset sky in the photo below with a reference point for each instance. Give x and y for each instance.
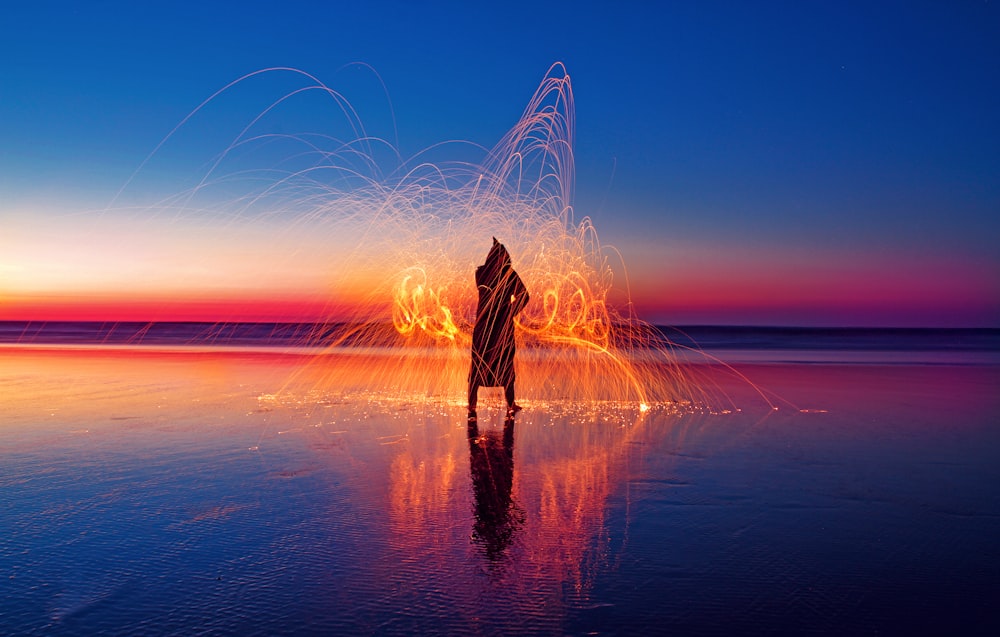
(791, 163)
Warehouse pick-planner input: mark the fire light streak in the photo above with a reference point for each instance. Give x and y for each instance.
(414, 233)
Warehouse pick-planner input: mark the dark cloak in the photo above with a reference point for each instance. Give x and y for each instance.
(501, 296)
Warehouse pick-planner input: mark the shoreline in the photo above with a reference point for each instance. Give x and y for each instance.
(684, 358)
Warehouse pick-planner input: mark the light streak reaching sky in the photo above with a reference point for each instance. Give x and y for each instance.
(385, 242)
(417, 232)
(389, 246)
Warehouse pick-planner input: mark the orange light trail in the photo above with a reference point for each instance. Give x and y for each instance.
(426, 231)
(381, 252)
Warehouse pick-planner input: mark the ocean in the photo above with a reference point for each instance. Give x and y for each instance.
(721, 343)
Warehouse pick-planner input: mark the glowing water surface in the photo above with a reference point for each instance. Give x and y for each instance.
(184, 492)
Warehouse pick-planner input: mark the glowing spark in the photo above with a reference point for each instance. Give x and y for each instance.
(409, 236)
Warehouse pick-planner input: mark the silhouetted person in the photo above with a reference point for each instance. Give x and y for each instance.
(497, 517)
(501, 296)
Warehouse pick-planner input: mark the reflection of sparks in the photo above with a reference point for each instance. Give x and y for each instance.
(408, 236)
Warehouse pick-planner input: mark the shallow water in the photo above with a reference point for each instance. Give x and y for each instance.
(156, 492)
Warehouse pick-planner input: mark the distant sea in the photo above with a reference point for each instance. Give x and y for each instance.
(694, 343)
(842, 344)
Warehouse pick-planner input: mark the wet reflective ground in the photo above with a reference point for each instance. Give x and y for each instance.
(199, 493)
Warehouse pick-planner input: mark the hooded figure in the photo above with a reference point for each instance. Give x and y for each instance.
(501, 296)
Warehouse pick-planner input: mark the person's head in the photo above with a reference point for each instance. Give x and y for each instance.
(498, 256)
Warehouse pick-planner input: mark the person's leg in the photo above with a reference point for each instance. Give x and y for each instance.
(508, 391)
(473, 394)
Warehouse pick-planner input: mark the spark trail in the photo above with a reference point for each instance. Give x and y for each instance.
(406, 238)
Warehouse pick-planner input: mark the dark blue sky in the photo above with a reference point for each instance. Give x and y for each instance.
(783, 132)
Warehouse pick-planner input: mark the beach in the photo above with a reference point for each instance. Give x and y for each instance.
(162, 490)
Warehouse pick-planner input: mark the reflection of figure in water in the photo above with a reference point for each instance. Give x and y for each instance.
(497, 518)
(501, 297)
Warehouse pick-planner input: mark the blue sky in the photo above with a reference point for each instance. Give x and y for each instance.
(759, 136)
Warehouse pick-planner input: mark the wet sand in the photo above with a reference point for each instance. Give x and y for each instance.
(202, 492)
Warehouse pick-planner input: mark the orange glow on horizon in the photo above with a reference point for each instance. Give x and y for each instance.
(722, 283)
